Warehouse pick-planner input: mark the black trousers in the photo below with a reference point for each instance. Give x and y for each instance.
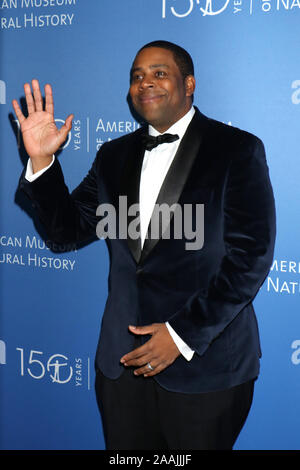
(138, 414)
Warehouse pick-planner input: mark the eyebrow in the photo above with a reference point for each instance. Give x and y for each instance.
(153, 66)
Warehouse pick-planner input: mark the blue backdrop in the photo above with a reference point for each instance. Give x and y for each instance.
(246, 55)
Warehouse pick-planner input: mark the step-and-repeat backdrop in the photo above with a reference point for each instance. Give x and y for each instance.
(246, 55)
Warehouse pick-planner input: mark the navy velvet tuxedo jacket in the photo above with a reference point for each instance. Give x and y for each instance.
(205, 294)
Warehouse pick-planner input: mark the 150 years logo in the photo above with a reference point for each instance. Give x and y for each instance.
(207, 7)
(184, 8)
(57, 367)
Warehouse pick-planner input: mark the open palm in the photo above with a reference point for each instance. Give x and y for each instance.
(40, 134)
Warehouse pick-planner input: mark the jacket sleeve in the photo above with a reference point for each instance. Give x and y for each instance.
(249, 236)
(67, 218)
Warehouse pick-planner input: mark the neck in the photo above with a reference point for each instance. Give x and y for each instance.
(163, 127)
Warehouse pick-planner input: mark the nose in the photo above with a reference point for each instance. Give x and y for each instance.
(146, 82)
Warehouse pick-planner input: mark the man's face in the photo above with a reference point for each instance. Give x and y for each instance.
(158, 92)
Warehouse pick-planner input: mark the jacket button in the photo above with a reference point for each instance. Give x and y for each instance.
(139, 271)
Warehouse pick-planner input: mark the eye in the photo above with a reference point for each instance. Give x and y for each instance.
(136, 77)
(160, 73)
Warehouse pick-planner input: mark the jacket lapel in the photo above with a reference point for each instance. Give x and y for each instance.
(176, 178)
(172, 186)
(130, 187)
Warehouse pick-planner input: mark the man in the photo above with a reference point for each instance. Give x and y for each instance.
(179, 350)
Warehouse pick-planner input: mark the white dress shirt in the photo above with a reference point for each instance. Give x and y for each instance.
(155, 167)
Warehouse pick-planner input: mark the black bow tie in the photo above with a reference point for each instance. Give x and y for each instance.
(151, 142)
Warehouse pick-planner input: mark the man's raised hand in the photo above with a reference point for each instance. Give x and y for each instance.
(40, 134)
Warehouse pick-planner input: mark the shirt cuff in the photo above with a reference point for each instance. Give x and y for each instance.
(30, 176)
(185, 350)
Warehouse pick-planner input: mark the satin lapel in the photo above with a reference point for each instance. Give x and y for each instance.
(177, 175)
(130, 185)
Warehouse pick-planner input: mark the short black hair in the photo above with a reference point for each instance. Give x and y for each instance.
(181, 56)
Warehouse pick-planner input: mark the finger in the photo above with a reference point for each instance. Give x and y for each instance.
(18, 111)
(139, 361)
(68, 122)
(143, 330)
(38, 100)
(135, 354)
(157, 367)
(49, 103)
(65, 128)
(29, 99)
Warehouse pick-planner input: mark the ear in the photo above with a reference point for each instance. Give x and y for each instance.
(190, 85)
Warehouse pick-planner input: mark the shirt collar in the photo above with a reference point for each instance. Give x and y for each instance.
(179, 127)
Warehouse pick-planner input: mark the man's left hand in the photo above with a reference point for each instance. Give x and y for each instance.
(160, 351)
